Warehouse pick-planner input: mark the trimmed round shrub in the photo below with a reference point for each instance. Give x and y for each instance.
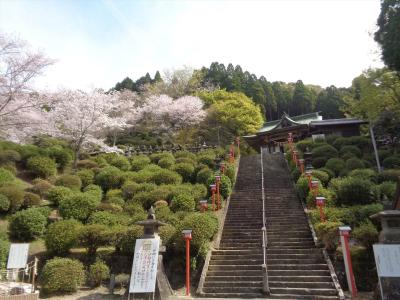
(164, 176)
(391, 162)
(302, 188)
(6, 176)
(104, 218)
(353, 190)
(70, 181)
(204, 226)
(156, 157)
(384, 153)
(93, 236)
(322, 192)
(321, 176)
(148, 198)
(354, 163)
(319, 162)
(160, 203)
(4, 203)
(129, 189)
(110, 178)
(94, 190)
(115, 200)
(327, 232)
(366, 234)
(126, 242)
(114, 193)
(61, 236)
(27, 225)
(389, 175)
(139, 162)
(86, 176)
(304, 144)
(185, 160)
(7, 156)
(347, 156)
(226, 185)
(185, 154)
(325, 151)
(62, 276)
(31, 199)
(207, 159)
(14, 195)
(87, 164)
(165, 214)
(78, 206)
(121, 162)
(166, 162)
(60, 155)
(110, 206)
(185, 170)
(329, 172)
(230, 171)
(367, 174)
(388, 189)
(98, 272)
(42, 166)
(351, 149)
(167, 234)
(133, 208)
(203, 175)
(183, 202)
(335, 164)
(41, 187)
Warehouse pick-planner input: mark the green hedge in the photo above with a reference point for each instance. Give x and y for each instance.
(70, 181)
(61, 236)
(78, 206)
(183, 202)
(42, 166)
(353, 190)
(27, 225)
(110, 178)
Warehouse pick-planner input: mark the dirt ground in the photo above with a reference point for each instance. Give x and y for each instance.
(100, 293)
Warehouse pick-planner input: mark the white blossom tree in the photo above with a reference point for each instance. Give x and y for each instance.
(169, 115)
(20, 105)
(84, 117)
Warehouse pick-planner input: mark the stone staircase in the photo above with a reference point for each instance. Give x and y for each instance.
(296, 268)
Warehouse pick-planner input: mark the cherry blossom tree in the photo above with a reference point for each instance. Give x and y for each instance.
(19, 103)
(84, 117)
(169, 115)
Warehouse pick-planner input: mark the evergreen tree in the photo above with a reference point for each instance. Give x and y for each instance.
(157, 77)
(329, 103)
(301, 101)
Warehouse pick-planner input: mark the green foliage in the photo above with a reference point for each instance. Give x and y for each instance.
(185, 154)
(31, 199)
(134, 208)
(185, 170)
(353, 190)
(389, 175)
(391, 162)
(105, 218)
(367, 174)
(4, 203)
(41, 187)
(321, 176)
(87, 164)
(42, 166)
(304, 144)
(322, 192)
(387, 34)
(148, 198)
(156, 157)
(185, 160)
(110, 178)
(319, 162)
(329, 172)
(98, 272)
(86, 176)
(354, 163)
(57, 194)
(9, 156)
(207, 159)
(61, 155)
(366, 234)
(93, 236)
(204, 226)
(364, 268)
(388, 189)
(114, 193)
(203, 175)
(62, 276)
(70, 181)
(6, 176)
(78, 206)
(302, 188)
(183, 202)
(14, 195)
(139, 162)
(119, 161)
(335, 164)
(4, 248)
(164, 214)
(167, 234)
(324, 151)
(166, 162)
(126, 242)
(327, 232)
(226, 185)
(61, 236)
(164, 176)
(129, 189)
(350, 149)
(27, 225)
(94, 190)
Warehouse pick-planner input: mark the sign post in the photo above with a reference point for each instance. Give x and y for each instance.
(218, 183)
(213, 188)
(320, 202)
(344, 239)
(187, 236)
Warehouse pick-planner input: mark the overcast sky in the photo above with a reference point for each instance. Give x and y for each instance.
(98, 43)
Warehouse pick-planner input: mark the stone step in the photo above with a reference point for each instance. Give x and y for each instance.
(236, 262)
(303, 284)
(235, 267)
(305, 291)
(233, 295)
(232, 289)
(296, 266)
(237, 256)
(233, 273)
(233, 278)
(295, 261)
(230, 283)
(300, 278)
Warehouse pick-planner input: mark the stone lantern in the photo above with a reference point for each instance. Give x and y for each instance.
(390, 220)
(150, 226)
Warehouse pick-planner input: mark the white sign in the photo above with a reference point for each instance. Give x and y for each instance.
(387, 258)
(18, 256)
(144, 268)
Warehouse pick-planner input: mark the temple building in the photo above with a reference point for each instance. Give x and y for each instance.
(274, 134)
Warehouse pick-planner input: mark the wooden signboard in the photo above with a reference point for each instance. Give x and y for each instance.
(387, 258)
(144, 268)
